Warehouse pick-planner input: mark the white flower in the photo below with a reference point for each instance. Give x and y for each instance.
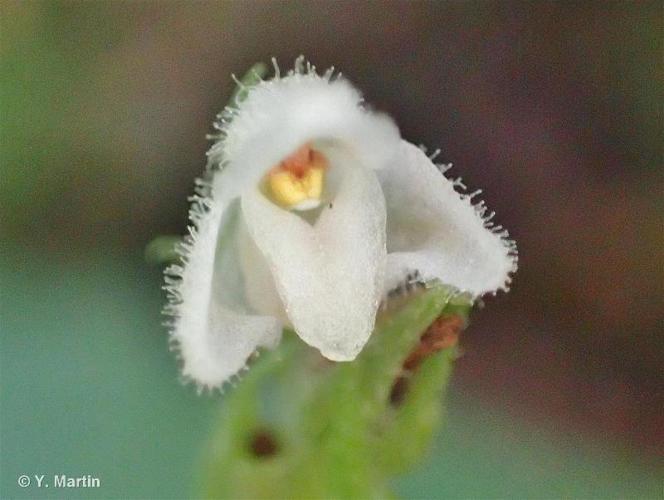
(316, 210)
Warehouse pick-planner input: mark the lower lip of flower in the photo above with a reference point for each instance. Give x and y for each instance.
(297, 182)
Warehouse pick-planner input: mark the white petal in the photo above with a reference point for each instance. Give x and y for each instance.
(215, 330)
(329, 274)
(259, 287)
(433, 229)
(280, 115)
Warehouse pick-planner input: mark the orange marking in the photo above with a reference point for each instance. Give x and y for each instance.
(299, 162)
(443, 333)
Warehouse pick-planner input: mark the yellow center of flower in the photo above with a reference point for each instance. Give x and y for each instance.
(297, 182)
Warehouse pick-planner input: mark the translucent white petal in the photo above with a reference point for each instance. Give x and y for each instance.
(433, 229)
(329, 274)
(215, 330)
(280, 115)
(259, 287)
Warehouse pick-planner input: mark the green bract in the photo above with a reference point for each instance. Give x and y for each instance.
(298, 426)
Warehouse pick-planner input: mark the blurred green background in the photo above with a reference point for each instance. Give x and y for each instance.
(553, 108)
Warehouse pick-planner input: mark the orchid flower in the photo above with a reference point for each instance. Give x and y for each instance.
(314, 208)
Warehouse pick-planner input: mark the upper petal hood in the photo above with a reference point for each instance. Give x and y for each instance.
(280, 115)
(433, 229)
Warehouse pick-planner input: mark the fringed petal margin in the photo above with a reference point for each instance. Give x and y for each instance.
(213, 328)
(437, 231)
(280, 115)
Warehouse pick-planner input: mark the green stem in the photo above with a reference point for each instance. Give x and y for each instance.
(331, 428)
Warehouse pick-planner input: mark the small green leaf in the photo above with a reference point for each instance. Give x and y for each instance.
(397, 333)
(163, 250)
(414, 422)
(251, 78)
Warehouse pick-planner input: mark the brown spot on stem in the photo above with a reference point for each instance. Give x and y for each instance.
(263, 444)
(443, 333)
(399, 390)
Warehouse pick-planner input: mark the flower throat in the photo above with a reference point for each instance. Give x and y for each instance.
(297, 182)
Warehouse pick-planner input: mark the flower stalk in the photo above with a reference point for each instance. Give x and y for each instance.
(299, 426)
